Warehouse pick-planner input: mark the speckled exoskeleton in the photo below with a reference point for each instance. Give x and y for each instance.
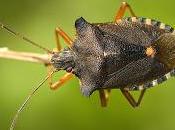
(132, 53)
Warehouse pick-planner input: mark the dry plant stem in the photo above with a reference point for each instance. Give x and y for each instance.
(24, 56)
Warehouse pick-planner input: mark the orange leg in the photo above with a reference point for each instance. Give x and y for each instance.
(104, 96)
(130, 98)
(121, 11)
(67, 39)
(67, 76)
(49, 70)
(61, 81)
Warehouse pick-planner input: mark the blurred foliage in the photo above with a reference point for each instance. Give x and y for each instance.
(66, 108)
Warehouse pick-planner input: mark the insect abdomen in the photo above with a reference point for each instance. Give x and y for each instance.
(165, 51)
(152, 83)
(151, 22)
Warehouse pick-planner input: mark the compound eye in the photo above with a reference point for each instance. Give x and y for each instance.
(69, 69)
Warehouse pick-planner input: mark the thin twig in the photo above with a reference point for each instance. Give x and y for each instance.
(24, 56)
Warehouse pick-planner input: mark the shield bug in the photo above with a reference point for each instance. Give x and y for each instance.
(131, 53)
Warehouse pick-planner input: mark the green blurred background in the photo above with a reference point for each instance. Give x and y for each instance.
(66, 108)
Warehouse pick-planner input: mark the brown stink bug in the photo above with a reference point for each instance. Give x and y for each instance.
(132, 53)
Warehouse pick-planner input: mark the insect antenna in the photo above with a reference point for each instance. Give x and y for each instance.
(14, 121)
(11, 31)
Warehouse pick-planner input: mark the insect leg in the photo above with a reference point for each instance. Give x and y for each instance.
(104, 97)
(58, 83)
(61, 81)
(67, 76)
(121, 11)
(130, 98)
(49, 70)
(67, 39)
(141, 96)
